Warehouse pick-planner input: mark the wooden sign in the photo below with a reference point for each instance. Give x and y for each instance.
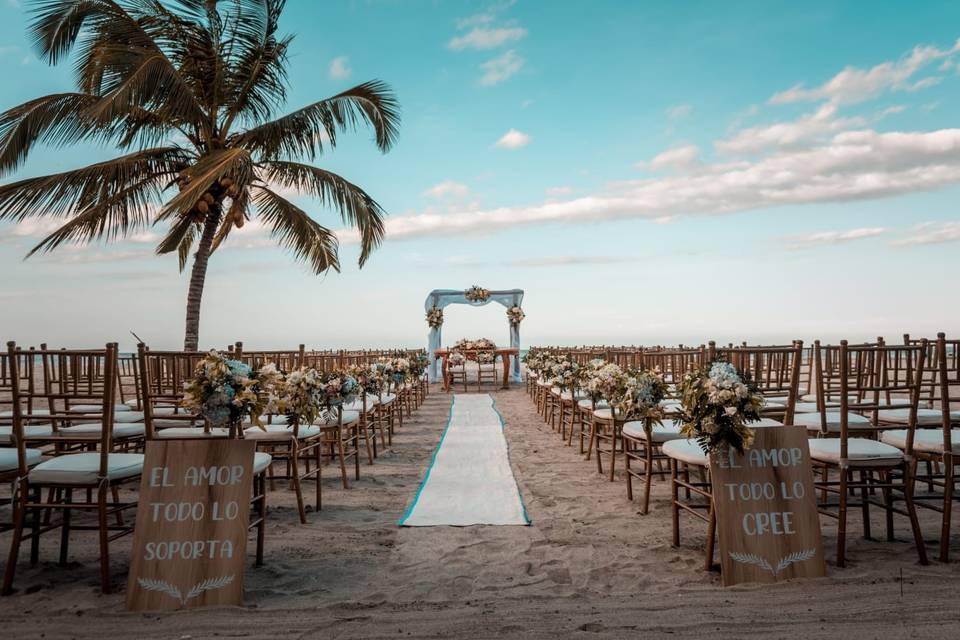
(767, 519)
(190, 541)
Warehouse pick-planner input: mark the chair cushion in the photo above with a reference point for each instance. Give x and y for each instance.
(93, 429)
(331, 420)
(187, 433)
(902, 416)
(35, 412)
(861, 452)
(805, 407)
(29, 431)
(9, 462)
(97, 408)
(280, 432)
(568, 395)
(688, 451)
(925, 440)
(84, 468)
(587, 404)
(812, 421)
(386, 398)
(765, 422)
(261, 461)
(660, 432)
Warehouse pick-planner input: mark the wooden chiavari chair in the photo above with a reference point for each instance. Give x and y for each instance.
(871, 378)
(937, 447)
(689, 464)
(486, 368)
(95, 468)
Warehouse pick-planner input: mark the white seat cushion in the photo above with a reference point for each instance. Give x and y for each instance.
(902, 416)
(357, 405)
(191, 432)
(660, 432)
(93, 429)
(96, 408)
(331, 419)
(84, 468)
(568, 395)
(765, 422)
(925, 440)
(278, 419)
(587, 404)
(9, 462)
(280, 432)
(688, 451)
(29, 431)
(603, 414)
(261, 461)
(35, 412)
(861, 452)
(386, 398)
(812, 421)
(805, 407)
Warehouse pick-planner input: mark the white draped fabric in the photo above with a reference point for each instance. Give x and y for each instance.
(440, 298)
(469, 480)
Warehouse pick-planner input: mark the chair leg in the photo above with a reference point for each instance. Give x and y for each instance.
(356, 451)
(908, 471)
(593, 437)
(65, 527)
(627, 448)
(35, 523)
(19, 519)
(366, 439)
(343, 460)
(674, 502)
(295, 480)
(949, 479)
(648, 472)
(865, 506)
(613, 451)
(318, 452)
(104, 540)
(842, 519)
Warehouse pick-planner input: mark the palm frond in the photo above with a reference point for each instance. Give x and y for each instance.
(355, 206)
(70, 192)
(294, 229)
(301, 133)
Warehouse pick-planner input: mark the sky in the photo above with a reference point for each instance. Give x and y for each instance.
(648, 172)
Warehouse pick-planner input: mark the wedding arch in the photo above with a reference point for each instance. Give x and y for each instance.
(440, 298)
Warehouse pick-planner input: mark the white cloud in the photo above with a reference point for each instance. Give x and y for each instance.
(680, 158)
(679, 112)
(854, 85)
(487, 16)
(486, 38)
(931, 233)
(448, 188)
(36, 227)
(785, 134)
(513, 139)
(500, 68)
(857, 165)
(340, 68)
(559, 191)
(833, 237)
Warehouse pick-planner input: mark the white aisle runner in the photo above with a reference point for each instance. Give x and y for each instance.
(469, 480)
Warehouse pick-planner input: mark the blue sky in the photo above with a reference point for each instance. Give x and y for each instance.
(647, 172)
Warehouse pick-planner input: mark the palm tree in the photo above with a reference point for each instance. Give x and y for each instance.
(187, 90)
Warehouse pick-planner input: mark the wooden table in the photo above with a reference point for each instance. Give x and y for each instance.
(503, 353)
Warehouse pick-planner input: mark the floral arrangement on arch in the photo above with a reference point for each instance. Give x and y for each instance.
(481, 344)
(435, 317)
(717, 405)
(515, 315)
(476, 294)
(225, 391)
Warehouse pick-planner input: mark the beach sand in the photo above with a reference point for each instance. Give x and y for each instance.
(588, 566)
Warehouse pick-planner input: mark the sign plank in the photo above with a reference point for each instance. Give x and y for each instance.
(189, 545)
(767, 520)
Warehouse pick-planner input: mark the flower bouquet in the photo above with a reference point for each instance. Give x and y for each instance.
(401, 370)
(486, 357)
(456, 359)
(564, 373)
(300, 396)
(339, 388)
(435, 317)
(640, 396)
(717, 405)
(368, 377)
(600, 379)
(481, 344)
(515, 315)
(224, 391)
(476, 294)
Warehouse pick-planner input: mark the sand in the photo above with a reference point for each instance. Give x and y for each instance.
(589, 566)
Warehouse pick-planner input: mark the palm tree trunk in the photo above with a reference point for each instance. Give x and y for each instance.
(198, 276)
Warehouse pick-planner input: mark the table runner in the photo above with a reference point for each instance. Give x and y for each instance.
(469, 480)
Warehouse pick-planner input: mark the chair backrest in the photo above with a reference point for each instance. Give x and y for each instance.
(70, 378)
(874, 377)
(162, 378)
(776, 370)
